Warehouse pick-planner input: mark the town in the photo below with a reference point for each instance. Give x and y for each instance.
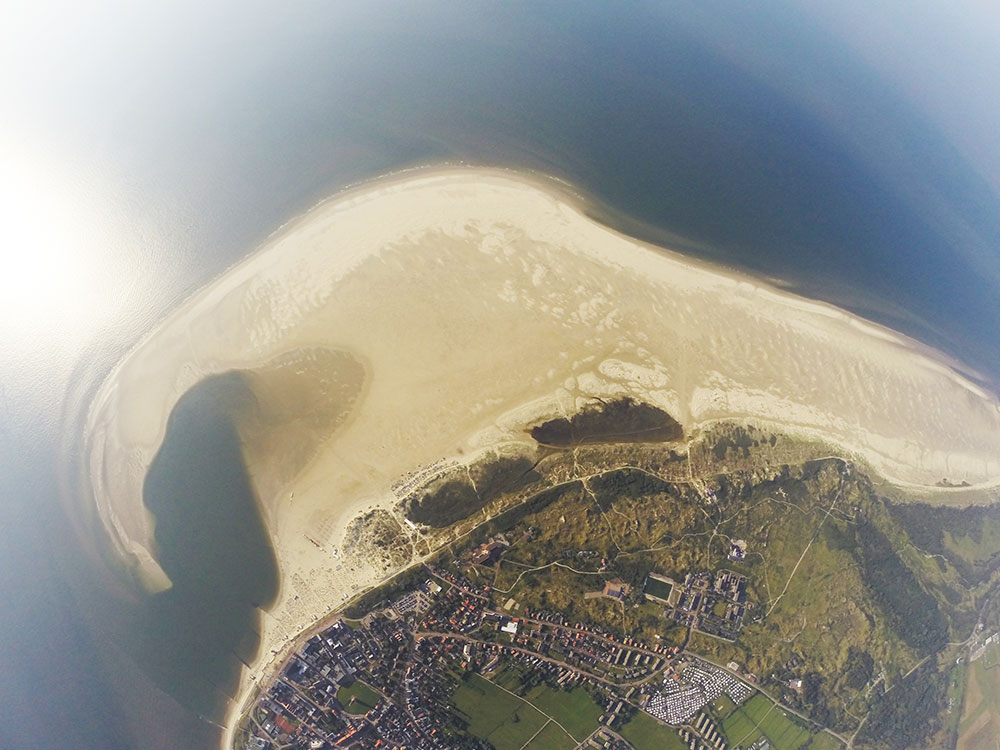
(637, 607)
(439, 666)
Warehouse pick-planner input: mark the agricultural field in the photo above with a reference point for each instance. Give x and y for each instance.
(574, 710)
(980, 724)
(504, 720)
(957, 685)
(551, 738)
(644, 732)
(740, 729)
(509, 720)
(357, 698)
(760, 717)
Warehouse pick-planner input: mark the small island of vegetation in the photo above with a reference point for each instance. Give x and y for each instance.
(623, 420)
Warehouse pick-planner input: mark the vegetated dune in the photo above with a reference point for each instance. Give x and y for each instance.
(622, 420)
(408, 326)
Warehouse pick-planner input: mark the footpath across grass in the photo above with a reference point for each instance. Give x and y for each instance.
(494, 715)
(551, 738)
(509, 721)
(575, 710)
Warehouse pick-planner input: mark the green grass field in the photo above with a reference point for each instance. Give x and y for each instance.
(574, 710)
(644, 732)
(509, 677)
(723, 706)
(503, 719)
(956, 693)
(739, 729)
(759, 717)
(551, 738)
(825, 742)
(757, 707)
(357, 698)
(508, 721)
(784, 733)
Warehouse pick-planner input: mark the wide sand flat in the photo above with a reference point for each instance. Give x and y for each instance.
(477, 301)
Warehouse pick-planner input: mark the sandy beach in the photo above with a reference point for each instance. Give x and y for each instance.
(476, 302)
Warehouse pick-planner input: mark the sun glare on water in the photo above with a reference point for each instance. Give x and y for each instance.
(51, 260)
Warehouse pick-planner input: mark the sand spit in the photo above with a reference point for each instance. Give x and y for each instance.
(478, 302)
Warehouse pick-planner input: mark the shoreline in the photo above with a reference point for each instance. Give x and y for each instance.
(437, 276)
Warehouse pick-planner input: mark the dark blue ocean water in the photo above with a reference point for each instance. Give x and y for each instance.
(747, 136)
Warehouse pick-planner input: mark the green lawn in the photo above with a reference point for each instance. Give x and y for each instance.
(644, 732)
(357, 698)
(503, 719)
(723, 706)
